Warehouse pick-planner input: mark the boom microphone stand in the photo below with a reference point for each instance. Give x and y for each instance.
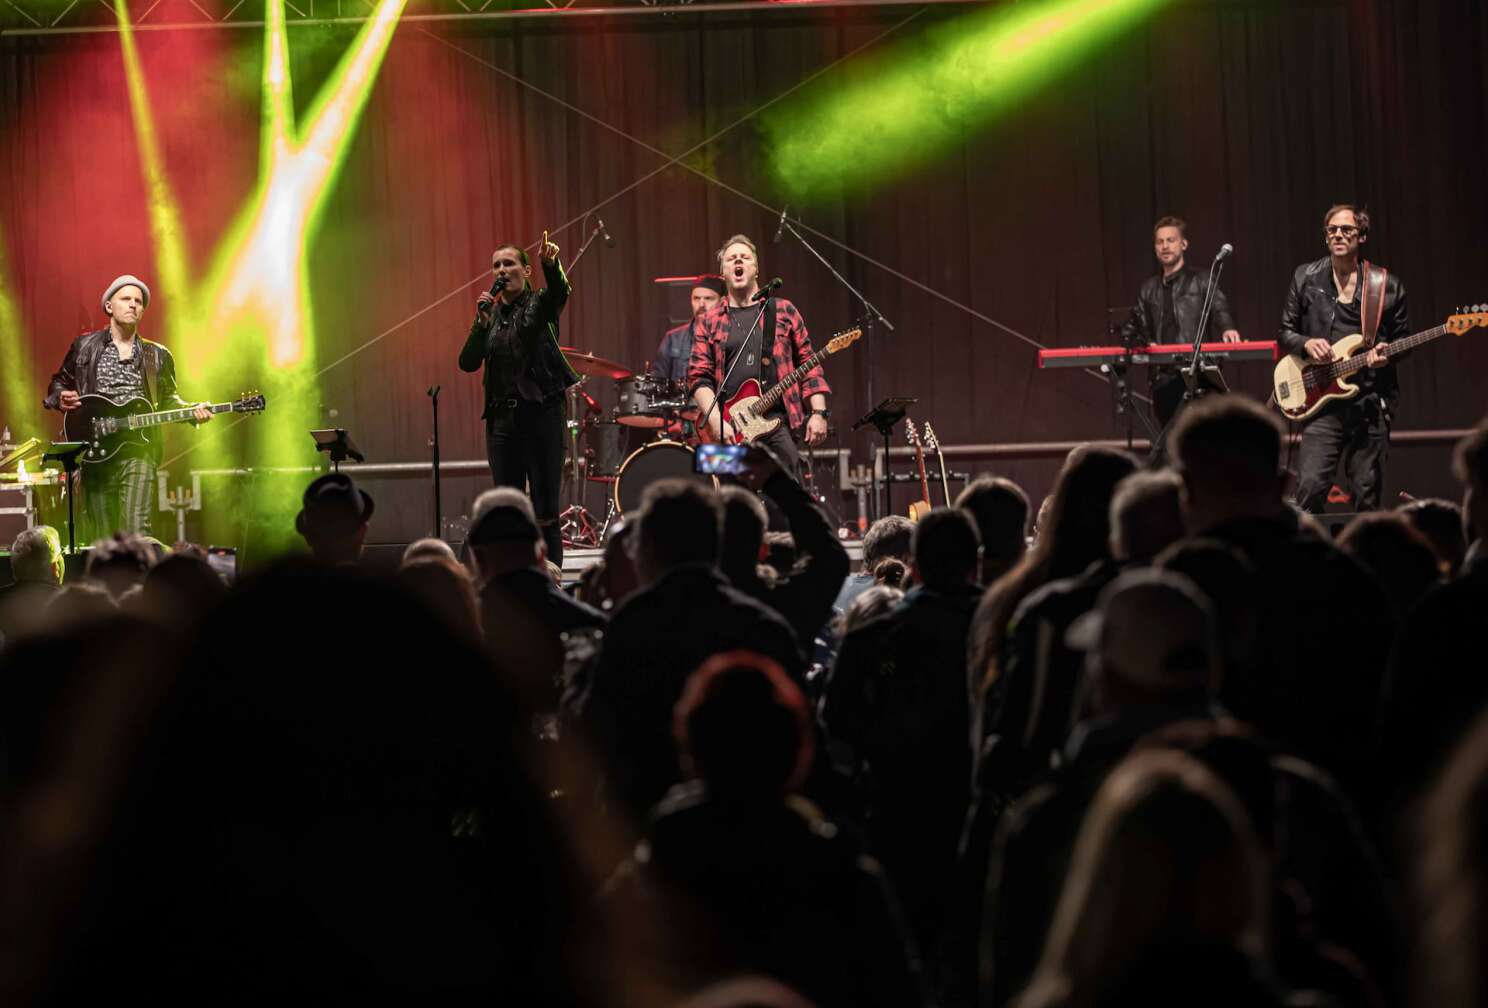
(871, 313)
(1198, 377)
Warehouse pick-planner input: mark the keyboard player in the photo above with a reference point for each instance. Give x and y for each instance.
(1167, 311)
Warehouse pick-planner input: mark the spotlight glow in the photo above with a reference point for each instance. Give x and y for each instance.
(20, 409)
(926, 96)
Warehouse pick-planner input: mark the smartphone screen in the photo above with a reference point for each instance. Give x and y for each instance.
(719, 459)
(223, 560)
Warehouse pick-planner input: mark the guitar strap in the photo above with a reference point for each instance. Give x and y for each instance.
(767, 344)
(1372, 301)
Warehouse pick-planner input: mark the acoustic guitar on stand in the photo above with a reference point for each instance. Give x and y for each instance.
(1304, 386)
(746, 411)
(933, 443)
(918, 509)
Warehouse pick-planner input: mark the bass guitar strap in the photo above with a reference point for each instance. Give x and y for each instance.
(1372, 301)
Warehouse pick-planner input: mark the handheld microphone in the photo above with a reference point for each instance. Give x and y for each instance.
(497, 286)
(781, 229)
(604, 233)
(764, 291)
(1225, 251)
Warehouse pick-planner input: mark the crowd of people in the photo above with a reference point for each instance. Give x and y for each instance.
(1172, 744)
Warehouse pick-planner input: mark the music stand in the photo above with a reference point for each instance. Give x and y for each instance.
(67, 452)
(884, 416)
(336, 443)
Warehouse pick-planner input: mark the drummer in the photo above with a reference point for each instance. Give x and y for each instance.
(676, 345)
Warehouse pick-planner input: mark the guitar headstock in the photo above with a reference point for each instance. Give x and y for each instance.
(1468, 318)
(910, 432)
(843, 340)
(249, 402)
(930, 441)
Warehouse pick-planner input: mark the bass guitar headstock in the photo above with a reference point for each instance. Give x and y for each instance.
(1468, 318)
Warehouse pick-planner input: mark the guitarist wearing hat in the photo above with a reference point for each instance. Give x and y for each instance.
(119, 363)
(1330, 299)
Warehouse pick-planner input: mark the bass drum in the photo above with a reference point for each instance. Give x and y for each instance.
(658, 460)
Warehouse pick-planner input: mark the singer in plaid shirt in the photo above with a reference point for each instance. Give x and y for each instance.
(725, 332)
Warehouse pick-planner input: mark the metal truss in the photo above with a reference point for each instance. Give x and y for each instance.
(49, 17)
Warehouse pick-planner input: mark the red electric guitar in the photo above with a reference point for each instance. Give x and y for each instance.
(745, 412)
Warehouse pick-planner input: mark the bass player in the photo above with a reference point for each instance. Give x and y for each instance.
(745, 338)
(1329, 299)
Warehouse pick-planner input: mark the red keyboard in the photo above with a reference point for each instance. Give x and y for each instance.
(1157, 353)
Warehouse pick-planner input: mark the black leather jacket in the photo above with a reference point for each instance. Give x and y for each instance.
(78, 372)
(1144, 325)
(1308, 314)
(537, 340)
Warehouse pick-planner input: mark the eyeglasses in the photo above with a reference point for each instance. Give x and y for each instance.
(1347, 230)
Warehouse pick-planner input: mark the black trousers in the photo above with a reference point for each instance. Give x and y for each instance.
(1353, 436)
(524, 445)
(784, 445)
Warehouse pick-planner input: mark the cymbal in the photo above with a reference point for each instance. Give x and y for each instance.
(596, 366)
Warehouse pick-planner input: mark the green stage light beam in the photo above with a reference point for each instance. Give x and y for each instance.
(923, 98)
(261, 268)
(20, 410)
(166, 229)
(259, 291)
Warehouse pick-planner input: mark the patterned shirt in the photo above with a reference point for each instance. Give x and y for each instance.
(792, 345)
(120, 379)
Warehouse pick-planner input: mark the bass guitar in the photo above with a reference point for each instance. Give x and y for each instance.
(107, 425)
(1304, 386)
(918, 509)
(745, 412)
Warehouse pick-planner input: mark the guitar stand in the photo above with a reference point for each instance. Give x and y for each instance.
(66, 452)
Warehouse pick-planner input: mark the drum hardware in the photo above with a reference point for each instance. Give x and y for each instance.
(577, 527)
(595, 366)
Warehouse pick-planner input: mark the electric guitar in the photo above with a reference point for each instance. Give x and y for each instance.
(918, 509)
(745, 412)
(107, 425)
(933, 444)
(1304, 386)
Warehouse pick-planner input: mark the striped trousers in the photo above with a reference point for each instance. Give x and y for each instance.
(118, 496)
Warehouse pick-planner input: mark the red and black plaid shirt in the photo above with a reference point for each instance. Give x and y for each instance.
(710, 333)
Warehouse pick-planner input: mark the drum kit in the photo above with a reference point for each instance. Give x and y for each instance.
(649, 435)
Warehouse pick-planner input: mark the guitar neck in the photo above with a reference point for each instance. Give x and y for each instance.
(924, 481)
(770, 398)
(172, 416)
(1343, 368)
